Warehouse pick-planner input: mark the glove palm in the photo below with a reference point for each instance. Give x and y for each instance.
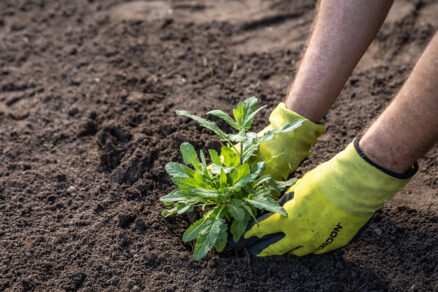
(326, 208)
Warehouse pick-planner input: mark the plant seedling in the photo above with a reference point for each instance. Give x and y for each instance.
(232, 188)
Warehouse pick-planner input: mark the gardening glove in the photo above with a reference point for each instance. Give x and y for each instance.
(326, 207)
(286, 150)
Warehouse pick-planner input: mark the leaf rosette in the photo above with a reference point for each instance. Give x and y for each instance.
(233, 188)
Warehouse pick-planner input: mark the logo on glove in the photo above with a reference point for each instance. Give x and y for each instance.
(332, 236)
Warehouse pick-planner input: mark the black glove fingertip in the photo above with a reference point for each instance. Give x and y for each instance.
(285, 198)
(264, 242)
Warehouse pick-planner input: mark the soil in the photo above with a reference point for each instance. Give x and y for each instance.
(88, 90)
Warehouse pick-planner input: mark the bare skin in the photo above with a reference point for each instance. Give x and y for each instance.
(408, 128)
(343, 30)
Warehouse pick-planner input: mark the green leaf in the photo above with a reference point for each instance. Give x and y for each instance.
(250, 105)
(209, 236)
(250, 146)
(235, 209)
(285, 128)
(249, 119)
(224, 116)
(203, 161)
(258, 168)
(169, 212)
(189, 182)
(243, 110)
(206, 124)
(266, 203)
(239, 114)
(222, 239)
(262, 180)
(250, 212)
(183, 208)
(287, 183)
(230, 158)
(239, 137)
(189, 155)
(175, 169)
(209, 194)
(216, 169)
(201, 180)
(244, 113)
(215, 157)
(181, 197)
(244, 181)
(238, 227)
(223, 182)
(239, 172)
(174, 196)
(193, 231)
(279, 186)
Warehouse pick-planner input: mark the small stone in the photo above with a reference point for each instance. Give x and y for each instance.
(75, 81)
(378, 231)
(71, 189)
(413, 288)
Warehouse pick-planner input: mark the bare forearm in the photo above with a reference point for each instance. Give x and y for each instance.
(343, 30)
(408, 128)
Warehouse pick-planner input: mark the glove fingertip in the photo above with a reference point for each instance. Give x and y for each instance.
(285, 198)
(257, 248)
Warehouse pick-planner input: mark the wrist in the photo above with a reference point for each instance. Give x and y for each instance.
(303, 106)
(381, 164)
(382, 154)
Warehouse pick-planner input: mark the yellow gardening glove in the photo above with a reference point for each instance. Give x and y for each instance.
(286, 150)
(326, 207)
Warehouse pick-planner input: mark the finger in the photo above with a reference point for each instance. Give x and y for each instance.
(263, 243)
(285, 198)
(272, 224)
(246, 242)
(302, 251)
(280, 247)
(269, 222)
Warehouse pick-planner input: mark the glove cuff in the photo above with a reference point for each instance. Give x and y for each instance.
(407, 175)
(356, 184)
(293, 146)
(282, 115)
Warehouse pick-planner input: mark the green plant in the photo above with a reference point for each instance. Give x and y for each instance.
(232, 188)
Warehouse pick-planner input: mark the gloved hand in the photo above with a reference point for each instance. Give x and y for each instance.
(287, 150)
(326, 207)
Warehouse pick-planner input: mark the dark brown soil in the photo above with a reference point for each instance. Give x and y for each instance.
(88, 90)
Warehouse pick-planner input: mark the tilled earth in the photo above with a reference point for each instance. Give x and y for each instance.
(88, 90)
